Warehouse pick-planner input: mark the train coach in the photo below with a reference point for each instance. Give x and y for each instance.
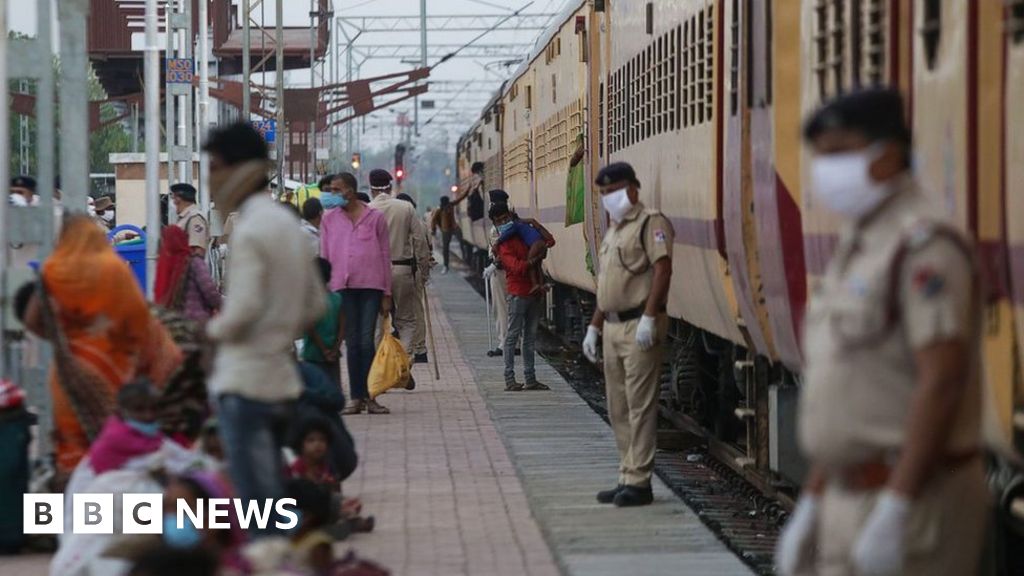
(706, 99)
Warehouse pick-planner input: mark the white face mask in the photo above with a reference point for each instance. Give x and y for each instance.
(617, 204)
(843, 183)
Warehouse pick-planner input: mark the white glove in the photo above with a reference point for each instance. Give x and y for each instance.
(489, 271)
(878, 550)
(645, 332)
(796, 544)
(590, 343)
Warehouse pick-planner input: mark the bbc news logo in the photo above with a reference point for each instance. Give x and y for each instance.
(144, 513)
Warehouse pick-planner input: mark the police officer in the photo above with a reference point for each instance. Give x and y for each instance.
(190, 219)
(632, 290)
(890, 409)
(409, 252)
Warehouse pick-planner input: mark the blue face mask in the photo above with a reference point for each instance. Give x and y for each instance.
(332, 200)
(185, 537)
(503, 228)
(145, 428)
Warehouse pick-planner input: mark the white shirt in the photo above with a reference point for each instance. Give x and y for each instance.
(274, 293)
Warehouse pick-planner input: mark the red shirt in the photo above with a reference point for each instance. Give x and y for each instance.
(513, 254)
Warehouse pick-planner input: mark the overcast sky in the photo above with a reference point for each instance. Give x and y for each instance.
(379, 127)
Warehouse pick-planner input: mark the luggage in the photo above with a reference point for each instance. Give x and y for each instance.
(392, 366)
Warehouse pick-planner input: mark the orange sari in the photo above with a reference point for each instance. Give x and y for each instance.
(106, 322)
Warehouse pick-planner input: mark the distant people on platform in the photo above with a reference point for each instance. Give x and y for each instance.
(444, 220)
(354, 239)
(410, 258)
(183, 282)
(525, 305)
(312, 212)
(90, 305)
(190, 219)
(274, 295)
(23, 191)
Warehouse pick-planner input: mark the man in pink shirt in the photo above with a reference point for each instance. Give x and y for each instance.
(354, 239)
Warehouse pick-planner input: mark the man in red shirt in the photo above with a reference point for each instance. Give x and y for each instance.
(525, 306)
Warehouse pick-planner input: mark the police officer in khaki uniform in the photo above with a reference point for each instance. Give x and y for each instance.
(890, 407)
(408, 253)
(632, 290)
(424, 264)
(190, 219)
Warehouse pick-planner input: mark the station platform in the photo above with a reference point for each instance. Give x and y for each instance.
(465, 478)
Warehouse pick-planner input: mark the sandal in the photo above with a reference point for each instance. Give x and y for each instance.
(372, 407)
(355, 407)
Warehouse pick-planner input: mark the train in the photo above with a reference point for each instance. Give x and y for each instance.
(705, 98)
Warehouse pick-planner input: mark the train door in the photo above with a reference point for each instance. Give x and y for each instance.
(1013, 175)
(735, 170)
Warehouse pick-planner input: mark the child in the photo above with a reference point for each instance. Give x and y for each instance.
(536, 237)
(313, 446)
(321, 345)
(311, 546)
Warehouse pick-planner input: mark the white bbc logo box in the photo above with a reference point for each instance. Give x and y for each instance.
(93, 514)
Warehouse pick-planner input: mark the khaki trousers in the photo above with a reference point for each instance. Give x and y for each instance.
(499, 305)
(419, 338)
(403, 295)
(945, 531)
(632, 384)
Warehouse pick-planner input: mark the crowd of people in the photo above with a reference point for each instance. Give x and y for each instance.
(226, 389)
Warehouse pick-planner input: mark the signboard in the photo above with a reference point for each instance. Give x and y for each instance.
(179, 70)
(267, 129)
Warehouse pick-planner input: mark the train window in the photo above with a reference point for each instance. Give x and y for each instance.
(554, 89)
(1015, 27)
(650, 17)
(857, 40)
(875, 44)
(584, 47)
(703, 65)
(687, 69)
(529, 97)
(821, 32)
(674, 67)
(931, 31)
(709, 62)
(838, 43)
(558, 47)
(769, 42)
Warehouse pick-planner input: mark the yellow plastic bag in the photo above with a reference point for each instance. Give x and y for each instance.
(392, 366)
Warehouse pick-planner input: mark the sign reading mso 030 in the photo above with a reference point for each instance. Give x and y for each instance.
(179, 70)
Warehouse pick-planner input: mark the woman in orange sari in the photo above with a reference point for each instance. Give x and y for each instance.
(107, 326)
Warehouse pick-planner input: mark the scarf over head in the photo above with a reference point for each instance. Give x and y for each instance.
(172, 267)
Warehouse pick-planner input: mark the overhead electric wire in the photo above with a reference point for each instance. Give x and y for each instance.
(451, 55)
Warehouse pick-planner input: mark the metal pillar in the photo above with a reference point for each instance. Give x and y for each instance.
(5, 175)
(178, 96)
(279, 45)
(312, 84)
(203, 126)
(423, 61)
(246, 61)
(24, 135)
(74, 105)
(152, 78)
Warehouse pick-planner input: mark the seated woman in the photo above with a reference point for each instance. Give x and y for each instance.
(91, 307)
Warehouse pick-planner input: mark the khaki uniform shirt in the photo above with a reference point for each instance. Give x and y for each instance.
(403, 234)
(627, 260)
(194, 223)
(860, 374)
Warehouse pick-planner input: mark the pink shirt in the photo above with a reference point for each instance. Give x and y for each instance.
(360, 253)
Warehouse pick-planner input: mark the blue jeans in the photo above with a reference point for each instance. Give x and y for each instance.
(362, 306)
(523, 318)
(253, 434)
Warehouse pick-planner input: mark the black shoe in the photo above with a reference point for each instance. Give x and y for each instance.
(608, 496)
(634, 496)
(534, 385)
(512, 386)
(420, 358)
(495, 352)
(411, 384)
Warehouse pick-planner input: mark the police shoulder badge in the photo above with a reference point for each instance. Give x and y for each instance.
(198, 228)
(928, 282)
(659, 236)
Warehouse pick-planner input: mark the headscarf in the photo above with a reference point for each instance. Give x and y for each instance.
(172, 266)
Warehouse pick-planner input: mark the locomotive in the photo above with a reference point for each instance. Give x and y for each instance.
(705, 98)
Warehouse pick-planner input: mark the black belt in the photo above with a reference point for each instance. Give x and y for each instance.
(626, 316)
(406, 262)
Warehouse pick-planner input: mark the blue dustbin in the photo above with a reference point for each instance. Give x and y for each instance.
(134, 253)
